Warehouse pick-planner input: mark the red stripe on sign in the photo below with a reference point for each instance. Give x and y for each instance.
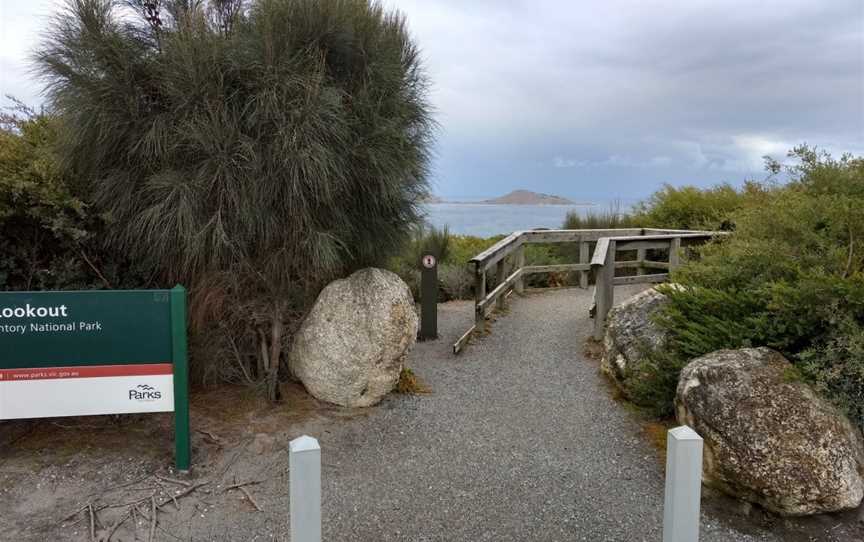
(92, 371)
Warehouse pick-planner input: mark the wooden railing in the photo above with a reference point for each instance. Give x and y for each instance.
(508, 259)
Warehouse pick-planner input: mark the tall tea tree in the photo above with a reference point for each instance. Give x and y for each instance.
(255, 148)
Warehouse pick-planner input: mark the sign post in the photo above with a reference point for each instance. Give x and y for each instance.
(96, 352)
(429, 298)
(179, 347)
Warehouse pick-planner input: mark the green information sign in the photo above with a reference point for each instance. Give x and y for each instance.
(96, 352)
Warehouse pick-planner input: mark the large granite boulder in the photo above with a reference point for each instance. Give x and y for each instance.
(350, 349)
(631, 334)
(769, 438)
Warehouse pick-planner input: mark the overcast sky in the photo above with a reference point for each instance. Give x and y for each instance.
(601, 100)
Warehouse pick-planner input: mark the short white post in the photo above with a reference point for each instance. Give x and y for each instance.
(683, 485)
(304, 461)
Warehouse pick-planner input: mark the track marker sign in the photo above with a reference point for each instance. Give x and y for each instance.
(96, 352)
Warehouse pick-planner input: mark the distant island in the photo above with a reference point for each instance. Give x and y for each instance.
(516, 197)
(527, 197)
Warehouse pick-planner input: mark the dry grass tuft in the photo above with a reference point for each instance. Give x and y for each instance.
(410, 384)
(593, 349)
(656, 432)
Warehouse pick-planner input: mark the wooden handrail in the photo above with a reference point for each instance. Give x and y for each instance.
(507, 255)
(603, 264)
(600, 250)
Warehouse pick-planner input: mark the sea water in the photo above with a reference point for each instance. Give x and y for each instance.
(485, 220)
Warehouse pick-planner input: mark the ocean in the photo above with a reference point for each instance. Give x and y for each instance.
(485, 220)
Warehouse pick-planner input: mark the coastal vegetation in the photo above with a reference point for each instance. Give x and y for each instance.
(100, 190)
(51, 236)
(252, 150)
(791, 278)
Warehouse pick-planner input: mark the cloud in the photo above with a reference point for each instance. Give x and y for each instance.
(611, 101)
(661, 91)
(560, 162)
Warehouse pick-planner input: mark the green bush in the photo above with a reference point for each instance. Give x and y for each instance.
(465, 247)
(50, 238)
(655, 381)
(253, 150)
(455, 275)
(692, 208)
(790, 278)
(836, 367)
(611, 218)
(456, 281)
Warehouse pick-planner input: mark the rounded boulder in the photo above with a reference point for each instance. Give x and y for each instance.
(768, 437)
(631, 335)
(351, 347)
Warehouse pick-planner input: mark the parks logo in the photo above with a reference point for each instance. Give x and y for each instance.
(143, 392)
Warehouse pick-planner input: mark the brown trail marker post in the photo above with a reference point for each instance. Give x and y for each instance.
(429, 298)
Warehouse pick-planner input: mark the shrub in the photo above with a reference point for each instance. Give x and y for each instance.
(465, 247)
(425, 240)
(655, 381)
(611, 218)
(252, 150)
(692, 208)
(457, 281)
(836, 367)
(791, 278)
(49, 235)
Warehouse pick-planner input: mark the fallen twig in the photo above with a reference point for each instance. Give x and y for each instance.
(249, 496)
(210, 435)
(155, 507)
(75, 513)
(182, 494)
(174, 481)
(242, 448)
(242, 484)
(152, 519)
(132, 511)
(92, 522)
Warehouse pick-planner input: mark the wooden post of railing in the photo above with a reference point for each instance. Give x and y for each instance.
(479, 295)
(584, 257)
(500, 276)
(520, 263)
(674, 253)
(640, 256)
(605, 289)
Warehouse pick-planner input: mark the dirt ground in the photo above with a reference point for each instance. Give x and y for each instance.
(101, 477)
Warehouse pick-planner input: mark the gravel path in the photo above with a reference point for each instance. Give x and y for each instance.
(520, 440)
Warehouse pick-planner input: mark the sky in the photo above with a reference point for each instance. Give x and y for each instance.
(606, 100)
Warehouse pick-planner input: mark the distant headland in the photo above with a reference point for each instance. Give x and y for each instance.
(516, 197)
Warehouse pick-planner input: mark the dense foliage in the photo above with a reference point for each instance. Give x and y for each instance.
(791, 278)
(253, 150)
(49, 237)
(692, 208)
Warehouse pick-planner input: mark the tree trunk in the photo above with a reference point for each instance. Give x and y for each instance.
(276, 327)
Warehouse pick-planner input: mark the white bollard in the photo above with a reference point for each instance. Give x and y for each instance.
(304, 460)
(683, 485)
